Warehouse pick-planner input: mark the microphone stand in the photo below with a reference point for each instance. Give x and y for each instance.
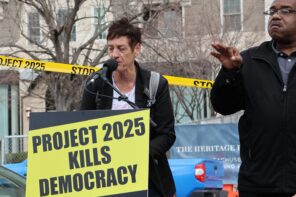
(124, 98)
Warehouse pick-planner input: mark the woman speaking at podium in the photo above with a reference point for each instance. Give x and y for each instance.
(124, 78)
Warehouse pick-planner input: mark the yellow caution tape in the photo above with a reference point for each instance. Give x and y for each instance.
(46, 66)
(181, 81)
(87, 70)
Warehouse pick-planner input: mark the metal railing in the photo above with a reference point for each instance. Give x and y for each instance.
(14, 148)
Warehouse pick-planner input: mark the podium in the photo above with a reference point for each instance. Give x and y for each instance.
(88, 153)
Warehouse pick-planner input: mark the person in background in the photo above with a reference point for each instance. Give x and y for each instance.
(262, 82)
(124, 45)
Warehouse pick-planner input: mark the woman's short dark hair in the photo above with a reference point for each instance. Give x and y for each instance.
(123, 27)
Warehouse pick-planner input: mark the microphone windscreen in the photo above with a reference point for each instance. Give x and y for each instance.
(111, 64)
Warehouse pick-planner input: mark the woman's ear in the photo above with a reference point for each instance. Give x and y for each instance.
(137, 49)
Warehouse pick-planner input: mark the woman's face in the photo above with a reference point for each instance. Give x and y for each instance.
(120, 50)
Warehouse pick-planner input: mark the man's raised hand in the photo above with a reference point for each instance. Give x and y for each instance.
(229, 57)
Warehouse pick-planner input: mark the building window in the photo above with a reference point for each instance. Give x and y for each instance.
(34, 27)
(170, 22)
(62, 18)
(9, 103)
(100, 22)
(150, 18)
(1, 11)
(166, 23)
(232, 15)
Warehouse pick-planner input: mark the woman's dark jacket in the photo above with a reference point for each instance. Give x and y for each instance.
(162, 137)
(267, 129)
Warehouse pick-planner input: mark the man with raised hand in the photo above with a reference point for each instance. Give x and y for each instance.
(262, 82)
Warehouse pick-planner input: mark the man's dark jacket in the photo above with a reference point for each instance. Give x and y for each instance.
(267, 129)
(162, 137)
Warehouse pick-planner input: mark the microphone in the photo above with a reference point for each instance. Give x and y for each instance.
(108, 67)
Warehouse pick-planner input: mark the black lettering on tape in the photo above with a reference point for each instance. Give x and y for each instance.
(79, 70)
(91, 71)
(196, 83)
(27, 64)
(1, 61)
(9, 62)
(210, 84)
(74, 70)
(85, 71)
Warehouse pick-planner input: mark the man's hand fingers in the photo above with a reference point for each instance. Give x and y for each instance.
(237, 59)
(219, 47)
(228, 56)
(227, 52)
(215, 54)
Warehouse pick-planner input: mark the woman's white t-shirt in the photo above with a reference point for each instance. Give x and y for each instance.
(122, 104)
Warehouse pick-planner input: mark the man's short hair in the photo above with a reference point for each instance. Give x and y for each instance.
(123, 27)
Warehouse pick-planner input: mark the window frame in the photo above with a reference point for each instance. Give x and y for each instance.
(102, 35)
(31, 27)
(229, 25)
(73, 37)
(163, 26)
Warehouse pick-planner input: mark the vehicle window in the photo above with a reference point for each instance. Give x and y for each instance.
(10, 189)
